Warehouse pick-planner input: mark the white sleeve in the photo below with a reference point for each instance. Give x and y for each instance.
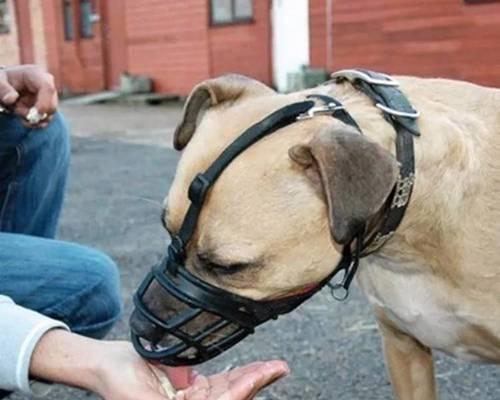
(20, 331)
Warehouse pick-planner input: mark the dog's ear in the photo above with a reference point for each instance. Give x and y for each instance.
(210, 93)
(356, 176)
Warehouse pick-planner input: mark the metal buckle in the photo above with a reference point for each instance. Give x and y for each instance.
(413, 115)
(320, 110)
(353, 74)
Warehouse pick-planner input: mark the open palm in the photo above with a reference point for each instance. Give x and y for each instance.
(126, 376)
(239, 384)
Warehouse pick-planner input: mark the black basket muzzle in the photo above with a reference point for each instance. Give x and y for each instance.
(231, 317)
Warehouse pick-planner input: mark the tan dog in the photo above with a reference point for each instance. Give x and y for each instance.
(270, 224)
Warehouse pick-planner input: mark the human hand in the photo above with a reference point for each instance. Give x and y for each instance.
(30, 92)
(125, 375)
(241, 383)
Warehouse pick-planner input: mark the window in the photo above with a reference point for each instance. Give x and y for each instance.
(86, 19)
(4, 17)
(69, 31)
(231, 11)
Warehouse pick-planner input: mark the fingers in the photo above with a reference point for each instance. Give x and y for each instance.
(248, 381)
(239, 384)
(8, 95)
(46, 99)
(41, 84)
(36, 88)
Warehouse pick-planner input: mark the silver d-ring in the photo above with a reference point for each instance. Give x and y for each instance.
(339, 292)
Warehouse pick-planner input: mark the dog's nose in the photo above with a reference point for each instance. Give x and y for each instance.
(144, 328)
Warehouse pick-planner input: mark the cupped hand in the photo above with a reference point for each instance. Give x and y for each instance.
(125, 375)
(241, 383)
(27, 87)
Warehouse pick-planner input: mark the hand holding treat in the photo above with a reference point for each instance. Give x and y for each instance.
(157, 382)
(29, 92)
(241, 383)
(115, 371)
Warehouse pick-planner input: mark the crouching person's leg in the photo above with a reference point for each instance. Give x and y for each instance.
(33, 171)
(65, 281)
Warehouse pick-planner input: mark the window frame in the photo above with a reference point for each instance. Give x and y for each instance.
(68, 24)
(83, 34)
(7, 27)
(234, 19)
(479, 2)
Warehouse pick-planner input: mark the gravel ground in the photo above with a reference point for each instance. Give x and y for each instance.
(121, 169)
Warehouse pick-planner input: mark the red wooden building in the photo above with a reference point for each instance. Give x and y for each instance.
(87, 44)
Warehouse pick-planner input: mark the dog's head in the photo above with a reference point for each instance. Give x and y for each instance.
(275, 220)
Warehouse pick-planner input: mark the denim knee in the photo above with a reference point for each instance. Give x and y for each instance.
(105, 302)
(58, 133)
(35, 165)
(96, 306)
(52, 143)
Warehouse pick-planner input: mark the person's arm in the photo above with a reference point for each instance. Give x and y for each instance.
(110, 369)
(20, 332)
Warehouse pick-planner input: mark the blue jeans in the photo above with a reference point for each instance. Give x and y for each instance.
(65, 281)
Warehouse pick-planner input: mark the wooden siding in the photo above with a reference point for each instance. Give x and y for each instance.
(317, 33)
(244, 48)
(444, 38)
(168, 41)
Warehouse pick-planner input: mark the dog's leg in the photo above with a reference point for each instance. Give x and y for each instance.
(409, 363)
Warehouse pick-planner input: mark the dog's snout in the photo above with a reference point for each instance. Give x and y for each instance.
(144, 328)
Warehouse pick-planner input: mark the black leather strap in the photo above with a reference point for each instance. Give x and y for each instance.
(392, 98)
(339, 111)
(200, 185)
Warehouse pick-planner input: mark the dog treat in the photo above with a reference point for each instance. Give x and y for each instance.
(169, 390)
(167, 387)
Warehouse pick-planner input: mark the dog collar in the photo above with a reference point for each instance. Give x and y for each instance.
(396, 109)
(234, 317)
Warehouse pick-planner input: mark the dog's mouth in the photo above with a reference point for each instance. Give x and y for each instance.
(172, 343)
(184, 335)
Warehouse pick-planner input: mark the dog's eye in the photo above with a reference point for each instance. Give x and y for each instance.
(210, 265)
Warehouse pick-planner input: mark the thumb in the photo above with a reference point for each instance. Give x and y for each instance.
(8, 95)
